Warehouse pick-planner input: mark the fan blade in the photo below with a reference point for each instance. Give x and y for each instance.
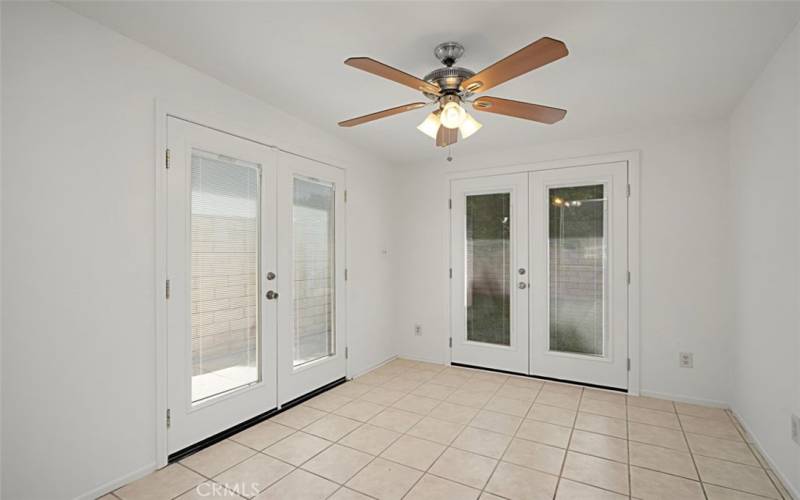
(381, 114)
(518, 109)
(393, 74)
(542, 51)
(446, 136)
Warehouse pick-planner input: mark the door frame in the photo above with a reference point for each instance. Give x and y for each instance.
(632, 158)
(212, 119)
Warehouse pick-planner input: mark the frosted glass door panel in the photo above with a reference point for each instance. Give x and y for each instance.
(577, 254)
(225, 207)
(488, 268)
(313, 228)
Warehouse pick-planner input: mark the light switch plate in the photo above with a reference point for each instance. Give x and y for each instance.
(686, 360)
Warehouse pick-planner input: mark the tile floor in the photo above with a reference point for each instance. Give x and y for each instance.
(421, 431)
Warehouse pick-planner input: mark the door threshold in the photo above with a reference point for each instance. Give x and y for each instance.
(221, 436)
(552, 379)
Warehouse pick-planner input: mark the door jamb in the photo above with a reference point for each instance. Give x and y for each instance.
(632, 158)
(225, 124)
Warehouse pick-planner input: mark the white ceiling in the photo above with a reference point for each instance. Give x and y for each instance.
(631, 65)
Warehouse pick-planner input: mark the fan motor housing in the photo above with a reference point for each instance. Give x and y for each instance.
(448, 79)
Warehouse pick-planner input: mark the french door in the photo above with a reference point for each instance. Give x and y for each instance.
(579, 264)
(221, 330)
(540, 263)
(311, 267)
(255, 262)
(489, 290)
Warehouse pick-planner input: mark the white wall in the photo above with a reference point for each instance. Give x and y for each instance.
(765, 180)
(78, 366)
(684, 275)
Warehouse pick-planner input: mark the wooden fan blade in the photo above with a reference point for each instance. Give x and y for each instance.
(446, 136)
(381, 114)
(518, 109)
(542, 51)
(393, 74)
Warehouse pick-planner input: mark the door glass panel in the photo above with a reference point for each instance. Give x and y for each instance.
(578, 251)
(313, 230)
(488, 262)
(225, 268)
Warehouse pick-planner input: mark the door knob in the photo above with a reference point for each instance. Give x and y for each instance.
(272, 295)
(522, 285)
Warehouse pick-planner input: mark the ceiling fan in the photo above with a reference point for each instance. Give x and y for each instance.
(450, 87)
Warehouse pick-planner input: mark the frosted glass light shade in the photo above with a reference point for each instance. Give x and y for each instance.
(430, 126)
(453, 115)
(469, 126)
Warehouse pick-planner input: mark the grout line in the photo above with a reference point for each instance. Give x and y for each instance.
(759, 458)
(566, 450)
(628, 439)
(691, 454)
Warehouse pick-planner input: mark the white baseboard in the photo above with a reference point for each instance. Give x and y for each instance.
(376, 365)
(117, 483)
(423, 359)
(781, 476)
(685, 399)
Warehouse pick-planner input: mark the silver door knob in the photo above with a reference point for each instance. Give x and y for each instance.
(522, 285)
(272, 295)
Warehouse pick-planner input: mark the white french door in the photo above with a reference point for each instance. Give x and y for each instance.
(540, 273)
(311, 267)
(221, 219)
(489, 292)
(255, 262)
(579, 295)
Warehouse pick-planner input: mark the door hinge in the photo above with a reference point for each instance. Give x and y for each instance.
(345, 196)
(346, 353)
(451, 342)
(167, 290)
(451, 273)
(169, 418)
(345, 274)
(450, 203)
(629, 277)
(167, 158)
(629, 364)
(628, 191)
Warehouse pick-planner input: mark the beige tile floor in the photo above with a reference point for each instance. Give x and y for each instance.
(421, 431)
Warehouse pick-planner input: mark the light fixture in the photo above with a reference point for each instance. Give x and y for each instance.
(453, 115)
(431, 125)
(469, 126)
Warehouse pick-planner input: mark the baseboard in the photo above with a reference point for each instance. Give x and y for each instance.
(781, 476)
(376, 365)
(117, 483)
(424, 360)
(685, 399)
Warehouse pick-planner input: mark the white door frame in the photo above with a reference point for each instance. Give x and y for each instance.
(634, 298)
(224, 123)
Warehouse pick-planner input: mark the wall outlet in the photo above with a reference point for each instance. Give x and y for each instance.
(795, 428)
(686, 360)
(417, 330)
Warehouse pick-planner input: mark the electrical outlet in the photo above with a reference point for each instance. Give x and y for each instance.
(418, 330)
(796, 428)
(686, 360)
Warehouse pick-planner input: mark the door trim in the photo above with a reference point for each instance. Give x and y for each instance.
(632, 158)
(195, 113)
